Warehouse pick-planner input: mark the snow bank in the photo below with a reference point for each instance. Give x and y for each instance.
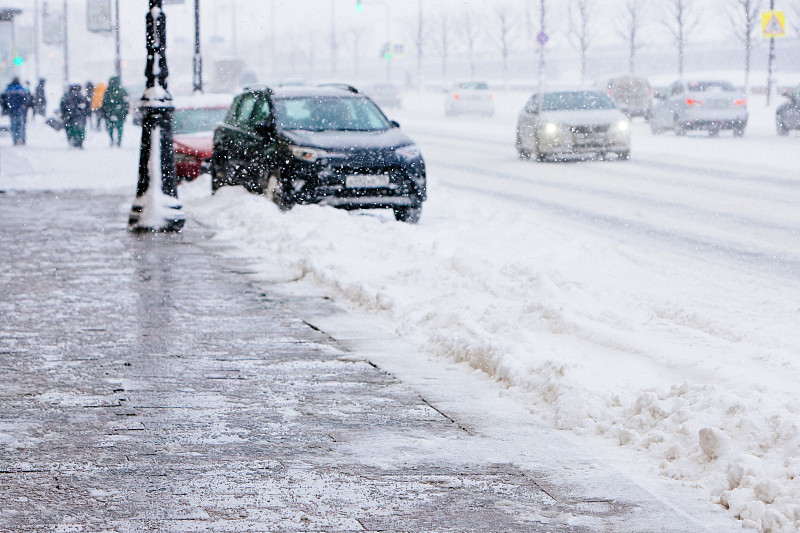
(606, 342)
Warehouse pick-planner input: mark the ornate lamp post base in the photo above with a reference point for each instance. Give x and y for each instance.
(156, 207)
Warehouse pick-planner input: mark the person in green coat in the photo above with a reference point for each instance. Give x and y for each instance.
(115, 108)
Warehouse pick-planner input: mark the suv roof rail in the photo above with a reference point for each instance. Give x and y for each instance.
(256, 87)
(345, 86)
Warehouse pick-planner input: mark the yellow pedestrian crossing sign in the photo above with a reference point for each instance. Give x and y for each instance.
(773, 24)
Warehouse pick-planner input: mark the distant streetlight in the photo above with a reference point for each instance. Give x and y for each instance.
(66, 48)
(117, 55)
(197, 61)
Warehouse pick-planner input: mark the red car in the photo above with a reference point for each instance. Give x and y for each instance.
(193, 131)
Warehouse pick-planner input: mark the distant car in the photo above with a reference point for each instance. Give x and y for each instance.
(326, 145)
(787, 117)
(630, 94)
(385, 95)
(472, 97)
(572, 122)
(710, 105)
(193, 132)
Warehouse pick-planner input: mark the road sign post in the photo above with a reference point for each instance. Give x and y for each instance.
(773, 24)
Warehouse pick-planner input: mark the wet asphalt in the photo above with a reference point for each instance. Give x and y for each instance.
(147, 384)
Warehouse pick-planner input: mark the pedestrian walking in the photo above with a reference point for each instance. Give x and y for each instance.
(74, 112)
(39, 99)
(115, 108)
(97, 104)
(15, 102)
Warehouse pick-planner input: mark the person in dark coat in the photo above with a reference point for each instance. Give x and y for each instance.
(15, 102)
(115, 108)
(89, 88)
(74, 112)
(39, 99)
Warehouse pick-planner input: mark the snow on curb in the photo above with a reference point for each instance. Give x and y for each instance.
(604, 344)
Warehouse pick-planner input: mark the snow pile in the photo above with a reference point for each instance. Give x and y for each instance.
(655, 355)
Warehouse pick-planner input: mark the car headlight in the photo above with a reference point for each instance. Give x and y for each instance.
(551, 129)
(622, 126)
(409, 152)
(310, 155)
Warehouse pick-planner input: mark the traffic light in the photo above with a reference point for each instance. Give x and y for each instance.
(18, 61)
(359, 6)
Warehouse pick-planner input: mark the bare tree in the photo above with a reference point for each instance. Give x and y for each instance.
(582, 28)
(444, 41)
(796, 16)
(504, 17)
(631, 20)
(470, 30)
(681, 21)
(530, 25)
(745, 16)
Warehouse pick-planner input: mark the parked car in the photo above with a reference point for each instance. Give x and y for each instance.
(630, 94)
(787, 117)
(469, 97)
(327, 145)
(710, 105)
(572, 122)
(193, 132)
(385, 95)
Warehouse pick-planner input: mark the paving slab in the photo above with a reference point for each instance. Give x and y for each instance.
(148, 384)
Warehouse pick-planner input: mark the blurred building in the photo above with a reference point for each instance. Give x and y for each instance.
(8, 44)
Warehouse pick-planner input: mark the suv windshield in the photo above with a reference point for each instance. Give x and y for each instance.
(329, 113)
(702, 86)
(196, 120)
(576, 100)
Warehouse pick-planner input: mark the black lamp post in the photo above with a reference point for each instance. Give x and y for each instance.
(156, 207)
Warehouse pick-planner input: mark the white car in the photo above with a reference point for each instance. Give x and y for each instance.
(699, 105)
(572, 122)
(472, 97)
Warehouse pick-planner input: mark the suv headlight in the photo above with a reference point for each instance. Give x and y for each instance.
(621, 129)
(552, 130)
(623, 126)
(409, 152)
(310, 155)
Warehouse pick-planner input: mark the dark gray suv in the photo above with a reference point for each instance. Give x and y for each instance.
(323, 145)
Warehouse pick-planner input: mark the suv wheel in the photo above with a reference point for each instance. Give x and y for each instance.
(275, 191)
(523, 153)
(218, 178)
(410, 214)
(781, 127)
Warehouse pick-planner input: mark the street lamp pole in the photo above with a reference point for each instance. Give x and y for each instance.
(334, 44)
(197, 62)
(156, 207)
(117, 56)
(36, 37)
(66, 48)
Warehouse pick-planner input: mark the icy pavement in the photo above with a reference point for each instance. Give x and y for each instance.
(145, 384)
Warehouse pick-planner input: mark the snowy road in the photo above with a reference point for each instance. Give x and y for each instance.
(720, 200)
(649, 308)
